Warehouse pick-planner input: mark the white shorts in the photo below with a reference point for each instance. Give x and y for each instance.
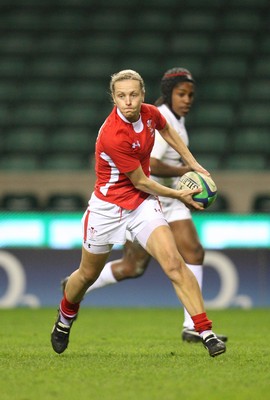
(105, 224)
(174, 210)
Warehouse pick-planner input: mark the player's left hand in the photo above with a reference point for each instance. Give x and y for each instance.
(197, 167)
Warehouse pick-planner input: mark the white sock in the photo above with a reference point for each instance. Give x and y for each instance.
(105, 278)
(64, 320)
(204, 334)
(198, 272)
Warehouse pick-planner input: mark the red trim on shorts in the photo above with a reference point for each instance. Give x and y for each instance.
(121, 213)
(85, 225)
(159, 202)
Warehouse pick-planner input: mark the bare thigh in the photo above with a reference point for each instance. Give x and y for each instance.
(161, 245)
(187, 241)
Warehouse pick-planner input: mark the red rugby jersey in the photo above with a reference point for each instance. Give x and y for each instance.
(122, 147)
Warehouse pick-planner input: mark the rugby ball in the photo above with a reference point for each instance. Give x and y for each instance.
(194, 180)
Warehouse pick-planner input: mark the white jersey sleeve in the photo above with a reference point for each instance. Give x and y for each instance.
(165, 153)
(160, 147)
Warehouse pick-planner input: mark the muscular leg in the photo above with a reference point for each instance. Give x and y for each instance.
(132, 265)
(90, 267)
(190, 248)
(187, 241)
(162, 246)
(135, 259)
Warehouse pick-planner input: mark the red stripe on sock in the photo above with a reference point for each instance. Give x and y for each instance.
(69, 310)
(201, 323)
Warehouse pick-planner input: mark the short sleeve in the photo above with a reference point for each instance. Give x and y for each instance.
(160, 146)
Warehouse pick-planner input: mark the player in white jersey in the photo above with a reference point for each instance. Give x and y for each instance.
(125, 200)
(177, 87)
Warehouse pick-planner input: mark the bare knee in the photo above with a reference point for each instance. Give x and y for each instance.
(90, 267)
(87, 277)
(87, 274)
(193, 253)
(133, 264)
(129, 270)
(173, 268)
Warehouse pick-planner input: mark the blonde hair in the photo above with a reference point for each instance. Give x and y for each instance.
(126, 74)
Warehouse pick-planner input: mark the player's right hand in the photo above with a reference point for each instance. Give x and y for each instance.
(185, 196)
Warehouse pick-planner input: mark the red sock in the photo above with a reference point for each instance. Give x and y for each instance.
(201, 323)
(69, 310)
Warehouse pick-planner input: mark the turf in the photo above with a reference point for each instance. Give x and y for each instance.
(132, 354)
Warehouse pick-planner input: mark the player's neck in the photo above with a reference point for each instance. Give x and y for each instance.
(173, 112)
(127, 120)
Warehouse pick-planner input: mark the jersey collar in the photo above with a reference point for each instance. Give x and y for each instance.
(137, 126)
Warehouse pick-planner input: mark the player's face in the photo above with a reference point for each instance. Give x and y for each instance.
(182, 98)
(128, 97)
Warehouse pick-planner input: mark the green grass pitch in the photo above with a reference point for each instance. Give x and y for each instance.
(133, 354)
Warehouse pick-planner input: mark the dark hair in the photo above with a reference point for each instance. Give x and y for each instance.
(168, 82)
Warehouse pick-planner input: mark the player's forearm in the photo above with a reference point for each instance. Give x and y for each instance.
(174, 140)
(147, 185)
(150, 186)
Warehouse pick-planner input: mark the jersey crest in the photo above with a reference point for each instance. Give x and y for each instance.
(149, 126)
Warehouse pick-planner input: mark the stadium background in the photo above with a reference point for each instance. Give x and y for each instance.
(56, 58)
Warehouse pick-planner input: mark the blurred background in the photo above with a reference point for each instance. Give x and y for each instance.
(56, 59)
